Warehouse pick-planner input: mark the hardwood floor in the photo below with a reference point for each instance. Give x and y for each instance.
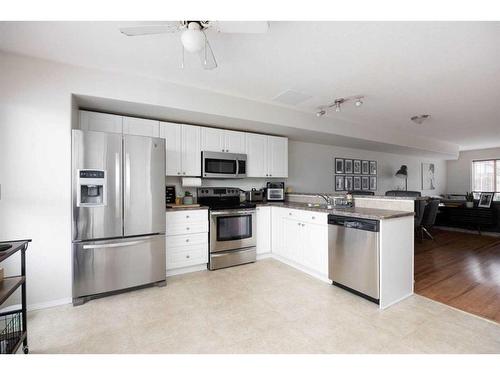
(461, 270)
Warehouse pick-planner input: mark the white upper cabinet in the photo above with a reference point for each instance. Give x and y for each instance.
(212, 140)
(141, 126)
(267, 156)
(173, 151)
(235, 142)
(183, 152)
(256, 155)
(220, 140)
(191, 150)
(277, 156)
(102, 122)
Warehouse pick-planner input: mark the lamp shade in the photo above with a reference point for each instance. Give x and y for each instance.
(402, 172)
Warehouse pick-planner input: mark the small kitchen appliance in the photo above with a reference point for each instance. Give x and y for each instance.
(254, 195)
(275, 191)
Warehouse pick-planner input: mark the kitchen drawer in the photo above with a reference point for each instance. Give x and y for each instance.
(187, 228)
(186, 240)
(184, 217)
(187, 256)
(307, 216)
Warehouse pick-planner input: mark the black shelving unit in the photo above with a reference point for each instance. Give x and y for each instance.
(13, 327)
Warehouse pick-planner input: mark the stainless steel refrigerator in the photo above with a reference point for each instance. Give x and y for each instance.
(118, 214)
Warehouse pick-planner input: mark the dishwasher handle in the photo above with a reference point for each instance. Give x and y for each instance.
(368, 225)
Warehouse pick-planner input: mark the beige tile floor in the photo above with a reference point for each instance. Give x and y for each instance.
(265, 307)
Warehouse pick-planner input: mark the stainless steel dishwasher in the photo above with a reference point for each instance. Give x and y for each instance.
(354, 256)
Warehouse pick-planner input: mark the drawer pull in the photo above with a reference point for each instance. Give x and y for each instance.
(187, 256)
(187, 216)
(187, 239)
(187, 228)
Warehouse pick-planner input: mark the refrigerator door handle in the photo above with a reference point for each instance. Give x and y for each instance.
(109, 245)
(118, 184)
(126, 190)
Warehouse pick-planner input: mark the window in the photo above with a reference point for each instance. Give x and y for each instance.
(486, 177)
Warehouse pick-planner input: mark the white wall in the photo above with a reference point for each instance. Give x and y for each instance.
(459, 174)
(311, 168)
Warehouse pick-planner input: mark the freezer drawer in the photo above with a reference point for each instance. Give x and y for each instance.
(106, 266)
(354, 259)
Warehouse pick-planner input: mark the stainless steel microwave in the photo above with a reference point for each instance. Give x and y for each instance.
(223, 165)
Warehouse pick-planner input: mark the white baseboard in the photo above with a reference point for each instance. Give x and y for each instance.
(385, 306)
(40, 306)
(264, 256)
(302, 268)
(180, 271)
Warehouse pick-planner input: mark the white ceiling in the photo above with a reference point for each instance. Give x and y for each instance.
(450, 70)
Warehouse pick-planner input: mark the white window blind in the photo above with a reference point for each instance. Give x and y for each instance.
(486, 176)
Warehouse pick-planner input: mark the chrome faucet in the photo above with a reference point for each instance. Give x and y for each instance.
(327, 199)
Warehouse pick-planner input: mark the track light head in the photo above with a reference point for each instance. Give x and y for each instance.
(321, 113)
(358, 103)
(337, 105)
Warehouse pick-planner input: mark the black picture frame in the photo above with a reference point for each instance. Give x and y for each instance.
(348, 183)
(339, 165)
(373, 183)
(348, 166)
(356, 166)
(373, 167)
(365, 183)
(356, 183)
(485, 200)
(339, 183)
(365, 167)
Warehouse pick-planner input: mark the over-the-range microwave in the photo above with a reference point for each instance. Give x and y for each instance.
(223, 165)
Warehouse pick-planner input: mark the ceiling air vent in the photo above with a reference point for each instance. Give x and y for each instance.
(291, 97)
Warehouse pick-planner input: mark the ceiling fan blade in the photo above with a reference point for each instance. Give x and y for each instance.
(241, 27)
(149, 30)
(207, 56)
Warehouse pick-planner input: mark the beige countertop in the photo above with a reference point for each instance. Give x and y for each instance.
(358, 212)
(359, 196)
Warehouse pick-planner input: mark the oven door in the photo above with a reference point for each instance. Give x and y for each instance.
(232, 229)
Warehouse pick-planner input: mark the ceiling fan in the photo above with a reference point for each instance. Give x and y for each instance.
(193, 35)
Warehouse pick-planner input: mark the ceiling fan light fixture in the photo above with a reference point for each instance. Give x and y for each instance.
(419, 119)
(193, 38)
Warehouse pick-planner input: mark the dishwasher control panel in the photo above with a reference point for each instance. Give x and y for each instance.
(354, 223)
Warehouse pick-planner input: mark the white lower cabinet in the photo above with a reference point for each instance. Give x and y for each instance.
(186, 239)
(301, 237)
(263, 230)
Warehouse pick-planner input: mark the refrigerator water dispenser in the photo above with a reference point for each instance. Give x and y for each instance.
(91, 190)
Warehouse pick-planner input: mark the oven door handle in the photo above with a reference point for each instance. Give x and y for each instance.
(222, 213)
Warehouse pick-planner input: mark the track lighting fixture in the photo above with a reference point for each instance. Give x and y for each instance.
(337, 104)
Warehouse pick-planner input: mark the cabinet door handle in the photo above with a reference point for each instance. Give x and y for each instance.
(187, 216)
(187, 256)
(298, 224)
(290, 213)
(183, 173)
(187, 239)
(187, 228)
(314, 217)
(178, 172)
(303, 225)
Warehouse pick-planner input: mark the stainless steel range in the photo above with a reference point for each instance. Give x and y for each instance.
(233, 237)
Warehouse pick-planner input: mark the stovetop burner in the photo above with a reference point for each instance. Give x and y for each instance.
(222, 198)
